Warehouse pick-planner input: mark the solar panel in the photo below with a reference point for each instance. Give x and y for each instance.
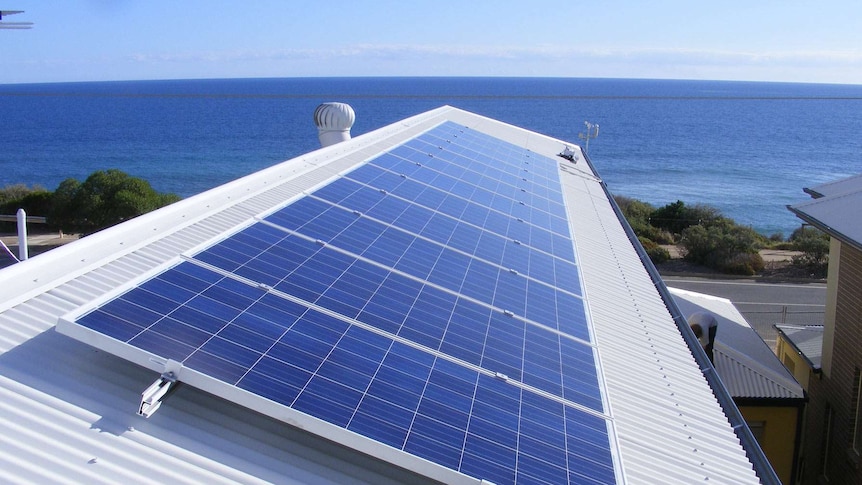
(429, 300)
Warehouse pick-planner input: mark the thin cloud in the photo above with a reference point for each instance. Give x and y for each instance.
(532, 53)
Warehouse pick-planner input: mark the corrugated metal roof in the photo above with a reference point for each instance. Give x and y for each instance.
(835, 211)
(807, 339)
(67, 410)
(836, 187)
(747, 366)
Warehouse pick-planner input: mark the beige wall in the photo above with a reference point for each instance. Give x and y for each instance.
(831, 394)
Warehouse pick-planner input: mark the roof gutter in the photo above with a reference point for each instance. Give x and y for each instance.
(755, 454)
(832, 232)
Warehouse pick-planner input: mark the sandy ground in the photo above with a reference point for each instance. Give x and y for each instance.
(37, 243)
(768, 255)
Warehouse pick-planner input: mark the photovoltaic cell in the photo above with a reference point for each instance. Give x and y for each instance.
(428, 300)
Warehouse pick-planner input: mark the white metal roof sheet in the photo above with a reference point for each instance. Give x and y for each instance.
(67, 410)
(836, 211)
(745, 363)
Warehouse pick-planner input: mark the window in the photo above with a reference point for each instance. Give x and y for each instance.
(758, 428)
(788, 362)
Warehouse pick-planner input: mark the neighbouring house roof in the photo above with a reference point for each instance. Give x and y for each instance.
(745, 363)
(806, 339)
(835, 187)
(834, 209)
(68, 408)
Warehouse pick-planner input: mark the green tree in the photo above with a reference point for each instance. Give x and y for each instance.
(105, 198)
(676, 217)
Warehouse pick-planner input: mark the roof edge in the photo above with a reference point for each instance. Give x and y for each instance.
(815, 368)
(762, 467)
(832, 232)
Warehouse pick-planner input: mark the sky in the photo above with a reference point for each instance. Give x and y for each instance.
(751, 40)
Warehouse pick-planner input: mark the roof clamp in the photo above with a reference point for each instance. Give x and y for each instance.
(151, 398)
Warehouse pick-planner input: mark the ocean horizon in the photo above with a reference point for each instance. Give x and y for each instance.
(746, 148)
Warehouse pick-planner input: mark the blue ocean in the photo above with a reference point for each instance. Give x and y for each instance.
(745, 148)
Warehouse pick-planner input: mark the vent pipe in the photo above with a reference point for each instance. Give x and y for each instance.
(333, 121)
(23, 252)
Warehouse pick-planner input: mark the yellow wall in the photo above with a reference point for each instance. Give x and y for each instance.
(779, 435)
(799, 366)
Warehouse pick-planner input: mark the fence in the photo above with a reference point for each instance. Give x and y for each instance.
(763, 320)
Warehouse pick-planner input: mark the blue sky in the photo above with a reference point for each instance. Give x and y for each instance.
(758, 40)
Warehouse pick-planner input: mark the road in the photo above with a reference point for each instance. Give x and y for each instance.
(763, 303)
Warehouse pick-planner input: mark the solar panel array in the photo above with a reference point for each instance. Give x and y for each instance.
(429, 300)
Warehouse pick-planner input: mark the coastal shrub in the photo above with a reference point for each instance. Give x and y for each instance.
(656, 253)
(633, 209)
(723, 246)
(36, 201)
(18, 196)
(814, 245)
(747, 264)
(638, 213)
(105, 198)
(776, 238)
(677, 217)
(783, 246)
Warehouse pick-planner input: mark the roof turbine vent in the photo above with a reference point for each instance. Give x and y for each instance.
(333, 121)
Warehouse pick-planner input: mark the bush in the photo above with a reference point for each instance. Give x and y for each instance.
(104, 199)
(747, 264)
(656, 253)
(35, 201)
(723, 246)
(638, 213)
(19, 196)
(814, 245)
(706, 237)
(776, 238)
(677, 217)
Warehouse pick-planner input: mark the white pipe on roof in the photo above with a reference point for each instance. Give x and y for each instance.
(22, 235)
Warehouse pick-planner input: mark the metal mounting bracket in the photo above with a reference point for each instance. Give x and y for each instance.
(153, 396)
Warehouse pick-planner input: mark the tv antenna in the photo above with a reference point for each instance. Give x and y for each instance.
(592, 132)
(13, 25)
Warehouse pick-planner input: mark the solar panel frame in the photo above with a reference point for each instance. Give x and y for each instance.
(488, 458)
